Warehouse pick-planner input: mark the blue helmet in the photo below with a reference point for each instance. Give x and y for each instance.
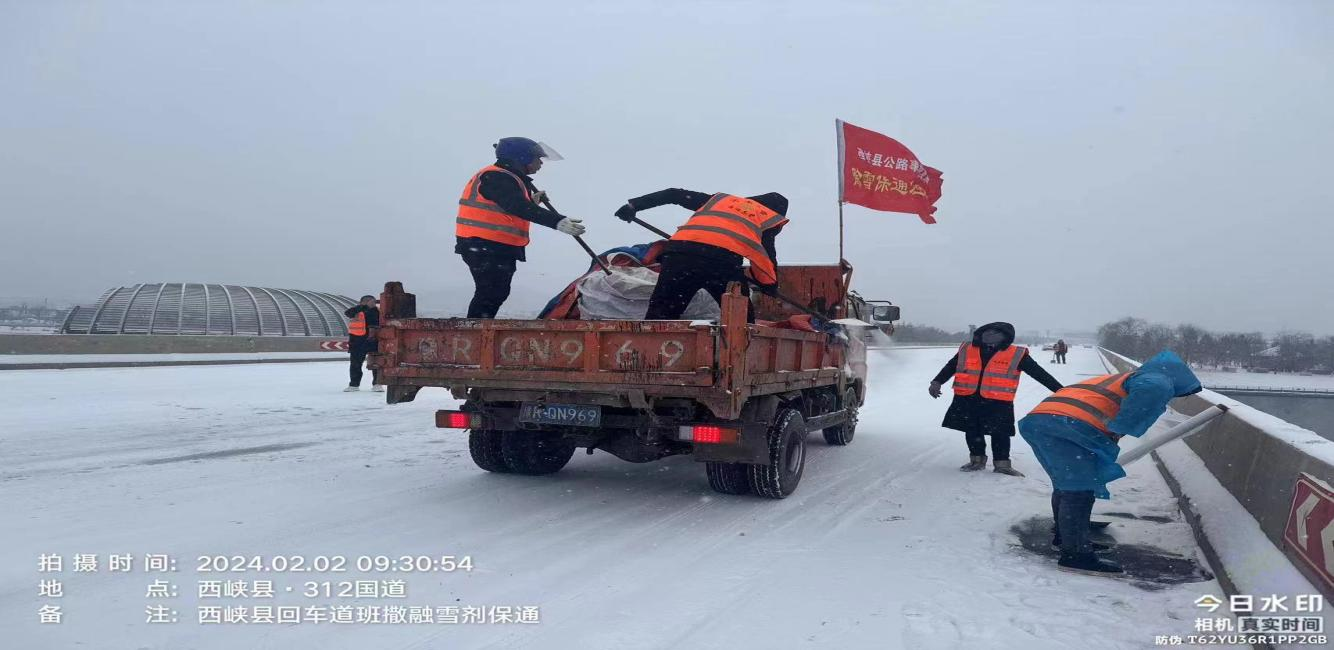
(523, 151)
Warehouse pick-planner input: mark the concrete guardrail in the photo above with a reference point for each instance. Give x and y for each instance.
(1257, 461)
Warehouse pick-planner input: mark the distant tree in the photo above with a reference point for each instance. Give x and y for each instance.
(912, 333)
(1156, 339)
(1237, 349)
(1211, 350)
(1122, 336)
(1296, 351)
(1324, 355)
(1190, 342)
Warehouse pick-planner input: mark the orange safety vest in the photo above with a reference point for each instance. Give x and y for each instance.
(481, 217)
(1095, 401)
(357, 326)
(736, 224)
(998, 381)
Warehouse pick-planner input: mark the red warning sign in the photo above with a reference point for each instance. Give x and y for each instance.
(1310, 530)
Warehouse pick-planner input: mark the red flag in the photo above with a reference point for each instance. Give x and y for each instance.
(880, 173)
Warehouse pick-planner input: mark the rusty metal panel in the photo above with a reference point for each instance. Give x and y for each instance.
(540, 350)
(461, 348)
(455, 351)
(761, 355)
(607, 385)
(786, 355)
(719, 366)
(819, 288)
(775, 350)
(648, 351)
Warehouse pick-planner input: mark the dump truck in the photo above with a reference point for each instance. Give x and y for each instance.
(740, 398)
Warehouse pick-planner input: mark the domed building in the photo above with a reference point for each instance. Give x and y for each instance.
(211, 309)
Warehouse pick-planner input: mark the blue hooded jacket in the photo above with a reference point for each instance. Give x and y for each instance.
(1077, 456)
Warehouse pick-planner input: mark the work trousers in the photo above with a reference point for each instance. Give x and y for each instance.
(359, 349)
(682, 276)
(491, 276)
(977, 445)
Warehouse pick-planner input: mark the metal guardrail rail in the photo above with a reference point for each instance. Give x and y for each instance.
(1323, 392)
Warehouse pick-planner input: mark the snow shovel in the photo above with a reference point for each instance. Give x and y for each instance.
(580, 239)
(788, 301)
(1190, 426)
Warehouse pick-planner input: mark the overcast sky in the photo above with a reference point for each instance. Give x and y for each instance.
(1169, 160)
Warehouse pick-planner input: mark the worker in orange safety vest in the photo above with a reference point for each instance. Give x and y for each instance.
(707, 251)
(495, 210)
(986, 378)
(361, 318)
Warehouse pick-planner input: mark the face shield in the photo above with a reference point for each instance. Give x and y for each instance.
(547, 152)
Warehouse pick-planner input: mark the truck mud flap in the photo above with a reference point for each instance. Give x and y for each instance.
(752, 448)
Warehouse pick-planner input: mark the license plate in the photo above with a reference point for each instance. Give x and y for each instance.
(565, 414)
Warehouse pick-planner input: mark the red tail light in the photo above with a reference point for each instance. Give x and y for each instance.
(711, 434)
(457, 420)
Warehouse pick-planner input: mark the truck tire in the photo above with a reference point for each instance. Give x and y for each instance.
(484, 445)
(535, 452)
(728, 478)
(841, 434)
(787, 457)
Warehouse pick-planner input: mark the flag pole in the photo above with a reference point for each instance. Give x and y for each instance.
(838, 127)
(840, 232)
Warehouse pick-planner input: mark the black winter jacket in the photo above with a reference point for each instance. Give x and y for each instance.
(506, 193)
(693, 201)
(979, 414)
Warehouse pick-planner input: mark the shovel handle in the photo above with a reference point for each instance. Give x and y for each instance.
(593, 255)
(651, 227)
(580, 239)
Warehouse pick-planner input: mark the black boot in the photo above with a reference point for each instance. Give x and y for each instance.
(1097, 547)
(1056, 517)
(1072, 524)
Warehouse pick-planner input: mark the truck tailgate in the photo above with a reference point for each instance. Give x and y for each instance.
(456, 350)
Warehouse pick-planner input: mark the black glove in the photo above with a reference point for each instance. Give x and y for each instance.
(767, 289)
(626, 213)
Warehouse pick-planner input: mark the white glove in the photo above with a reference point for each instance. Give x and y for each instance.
(571, 227)
(539, 196)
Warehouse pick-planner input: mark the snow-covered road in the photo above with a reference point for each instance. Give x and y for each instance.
(884, 545)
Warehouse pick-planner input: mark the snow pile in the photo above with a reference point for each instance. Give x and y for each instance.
(1255, 565)
(16, 359)
(885, 544)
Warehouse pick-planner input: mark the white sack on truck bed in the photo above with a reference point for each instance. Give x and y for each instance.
(624, 295)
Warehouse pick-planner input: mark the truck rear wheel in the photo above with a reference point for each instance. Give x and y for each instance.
(841, 434)
(787, 457)
(728, 478)
(484, 445)
(535, 452)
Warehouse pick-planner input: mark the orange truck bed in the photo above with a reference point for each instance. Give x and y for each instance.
(534, 390)
(719, 365)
